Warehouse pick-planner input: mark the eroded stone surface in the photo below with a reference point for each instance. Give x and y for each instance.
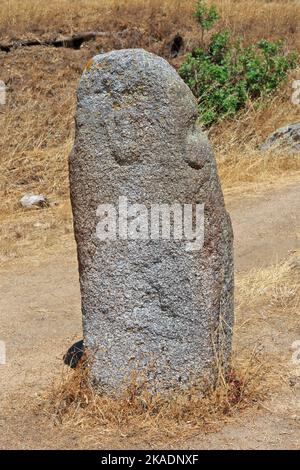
(148, 305)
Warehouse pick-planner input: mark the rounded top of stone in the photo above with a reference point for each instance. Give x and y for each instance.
(138, 74)
(130, 58)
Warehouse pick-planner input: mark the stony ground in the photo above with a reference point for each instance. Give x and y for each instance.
(40, 318)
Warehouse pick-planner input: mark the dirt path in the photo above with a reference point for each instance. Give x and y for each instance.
(266, 226)
(40, 318)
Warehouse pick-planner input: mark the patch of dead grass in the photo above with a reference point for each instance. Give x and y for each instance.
(276, 289)
(253, 20)
(157, 417)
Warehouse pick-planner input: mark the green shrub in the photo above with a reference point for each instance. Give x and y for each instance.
(206, 16)
(225, 74)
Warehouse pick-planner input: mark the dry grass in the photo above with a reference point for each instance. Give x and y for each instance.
(273, 291)
(252, 19)
(159, 418)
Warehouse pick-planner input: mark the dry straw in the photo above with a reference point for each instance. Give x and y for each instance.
(158, 416)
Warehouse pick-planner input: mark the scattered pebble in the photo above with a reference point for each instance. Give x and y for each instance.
(34, 201)
(41, 225)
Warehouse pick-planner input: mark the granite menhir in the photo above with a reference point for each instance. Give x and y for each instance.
(154, 307)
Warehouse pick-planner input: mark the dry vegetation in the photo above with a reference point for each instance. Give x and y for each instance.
(157, 18)
(159, 418)
(276, 289)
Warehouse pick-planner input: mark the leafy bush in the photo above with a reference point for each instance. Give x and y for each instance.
(225, 74)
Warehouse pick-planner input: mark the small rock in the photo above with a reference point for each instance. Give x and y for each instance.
(293, 381)
(41, 225)
(287, 138)
(74, 354)
(33, 201)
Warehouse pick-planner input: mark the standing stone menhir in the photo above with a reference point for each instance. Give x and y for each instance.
(156, 305)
